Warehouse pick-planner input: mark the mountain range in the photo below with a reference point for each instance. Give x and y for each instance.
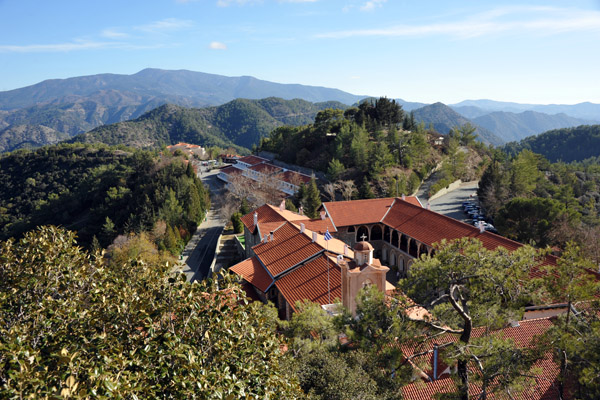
(57, 109)
(239, 124)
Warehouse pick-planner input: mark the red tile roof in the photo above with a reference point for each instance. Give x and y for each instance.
(266, 168)
(252, 160)
(524, 336)
(289, 248)
(231, 170)
(269, 213)
(430, 227)
(309, 282)
(294, 177)
(357, 212)
(317, 225)
(253, 272)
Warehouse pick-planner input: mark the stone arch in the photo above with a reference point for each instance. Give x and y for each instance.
(395, 238)
(362, 233)
(392, 259)
(404, 243)
(413, 248)
(366, 282)
(386, 234)
(376, 233)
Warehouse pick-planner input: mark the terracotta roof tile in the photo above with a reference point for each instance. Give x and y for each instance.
(293, 177)
(289, 248)
(252, 160)
(309, 282)
(430, 227)
(231, 170)
(265, 168)
(523, 335)
(357, 212)
(269, 213)
(317, 225)
(253, 272)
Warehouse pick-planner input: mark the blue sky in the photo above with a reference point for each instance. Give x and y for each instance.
(529, 52)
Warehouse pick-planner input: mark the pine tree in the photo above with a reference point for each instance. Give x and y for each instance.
(170, 240)
(312, 199)
(244, 207)
(365, 191)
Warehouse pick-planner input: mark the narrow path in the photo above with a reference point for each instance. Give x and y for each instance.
(200, 250)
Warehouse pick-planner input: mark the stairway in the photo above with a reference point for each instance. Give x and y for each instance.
(227, 252)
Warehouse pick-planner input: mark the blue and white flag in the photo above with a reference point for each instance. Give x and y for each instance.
(328, 235)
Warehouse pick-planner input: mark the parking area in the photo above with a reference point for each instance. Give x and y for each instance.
(462, 204)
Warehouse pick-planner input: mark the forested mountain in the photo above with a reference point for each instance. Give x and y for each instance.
(100, 192)
(238, 123)
(567, 145)
(28, 136)
(76, 105)
(376, 149)
(444, 119)
(513, 127)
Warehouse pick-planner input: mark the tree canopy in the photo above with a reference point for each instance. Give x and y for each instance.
(76, 326)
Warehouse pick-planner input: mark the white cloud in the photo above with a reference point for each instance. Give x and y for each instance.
(298, 1)
(57, 47)
(372, 4)
(217, 46)
(114, 34)
(167, 24)
(534, 20)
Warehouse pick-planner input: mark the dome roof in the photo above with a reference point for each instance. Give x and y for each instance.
(363, 246)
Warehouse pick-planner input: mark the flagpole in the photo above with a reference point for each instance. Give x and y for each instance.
(327, 261)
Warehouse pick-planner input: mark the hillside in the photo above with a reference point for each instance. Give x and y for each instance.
(514, 127)
(444, 118)
(567, 144)
(27, 136)
(240, 123)
(77, 105)
(98, 191)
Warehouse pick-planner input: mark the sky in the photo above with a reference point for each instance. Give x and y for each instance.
(542, 52)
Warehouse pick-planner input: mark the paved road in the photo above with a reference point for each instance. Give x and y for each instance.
(451, 204)
(200, 250)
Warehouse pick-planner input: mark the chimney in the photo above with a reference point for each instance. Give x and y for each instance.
(314, 237)
(428, 206)
(282, 205)
(323, 214)
(271, 239)
(301, 210)
(266, 238)
(255, 218)
(403, 196)
(346, 250)
(301, 228)
(481, 227)
(435, 361)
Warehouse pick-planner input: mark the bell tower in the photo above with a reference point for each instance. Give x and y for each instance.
(362, 271)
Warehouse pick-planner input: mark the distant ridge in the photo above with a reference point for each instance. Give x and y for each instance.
(513, 127)
(585, 110)
(444, 118)
(182, 87)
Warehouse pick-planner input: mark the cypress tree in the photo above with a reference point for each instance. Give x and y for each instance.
(312, 199)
